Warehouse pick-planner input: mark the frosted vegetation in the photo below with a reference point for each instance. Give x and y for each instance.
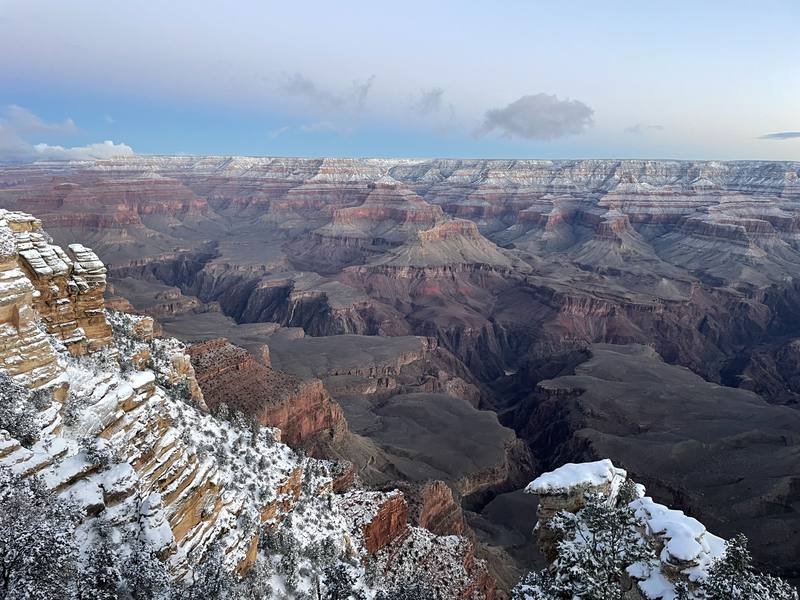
(629, 547)
(65, 540)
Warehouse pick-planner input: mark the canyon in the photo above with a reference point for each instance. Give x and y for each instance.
(453, 327)
(113, 422)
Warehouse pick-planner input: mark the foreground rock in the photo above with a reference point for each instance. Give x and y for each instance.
(684, 549)
(123, 433)
(721, 454)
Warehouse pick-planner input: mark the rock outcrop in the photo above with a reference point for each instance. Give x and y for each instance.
(68, 287)
(685, 549)
(380, 519)
(304, 412)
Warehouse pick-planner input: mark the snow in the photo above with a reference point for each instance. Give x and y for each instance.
(576, 475)
(141, 379)
(685, 538)
(652, 582)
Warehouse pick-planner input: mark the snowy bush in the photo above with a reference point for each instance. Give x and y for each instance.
(98, 452)
(17, 411)
(732, 577)
(598, 544)
(37, 541)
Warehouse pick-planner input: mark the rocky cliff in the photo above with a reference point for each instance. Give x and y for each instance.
(119, 428)
(722, 454)
(304, 412)
(514, 269)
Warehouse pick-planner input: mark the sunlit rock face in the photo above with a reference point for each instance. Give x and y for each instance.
(62, 290)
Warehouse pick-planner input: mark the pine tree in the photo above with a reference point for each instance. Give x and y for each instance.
(17, 412)
(100, 577)
(255, 584)
(682, 591)
(144, 576)
(732, 577)
(211, 579)
(288, 567)
(340, 584)
(598, 543)
(410, 592)
(37, 540)
(535, 586)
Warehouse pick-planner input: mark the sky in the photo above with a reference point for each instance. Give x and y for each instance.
(514, 79)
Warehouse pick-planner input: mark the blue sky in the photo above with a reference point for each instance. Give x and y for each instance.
(476, 79)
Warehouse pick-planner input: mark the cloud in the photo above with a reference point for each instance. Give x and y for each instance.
(18, 124)
(349, 103)
(781, 135)
(99, 150)
(429, 102)
(23, 121)
(538, 117)
(641, 128)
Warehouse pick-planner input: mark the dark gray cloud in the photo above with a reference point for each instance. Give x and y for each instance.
(18, 124)
(780, 135)
(641, 128)
(539, 117)
(429, 101)
(323, 101)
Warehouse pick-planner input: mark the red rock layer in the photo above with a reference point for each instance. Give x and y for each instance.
(303, 411)
(390, 523)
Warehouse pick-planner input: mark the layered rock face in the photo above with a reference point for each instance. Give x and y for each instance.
(514, 268)
(123, 433)
(690, 256)
(42, 281)
(69, 286)
(304, 412)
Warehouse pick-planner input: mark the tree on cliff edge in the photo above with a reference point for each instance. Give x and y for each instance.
(37, 540)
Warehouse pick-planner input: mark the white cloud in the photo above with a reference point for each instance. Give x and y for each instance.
(99, 150)
(18, 125)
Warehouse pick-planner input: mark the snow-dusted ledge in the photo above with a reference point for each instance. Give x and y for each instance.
(572, 476)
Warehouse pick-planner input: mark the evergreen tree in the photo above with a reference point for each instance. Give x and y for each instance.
(732, 577)
(409, 592)
(536, 585)
(255, 584)
(682, 591)
(37, 540)
(597, 544)
(340, 584)
(144, 576)
(288, 567)
(100, 577)
(17, 412)
(211, 579)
